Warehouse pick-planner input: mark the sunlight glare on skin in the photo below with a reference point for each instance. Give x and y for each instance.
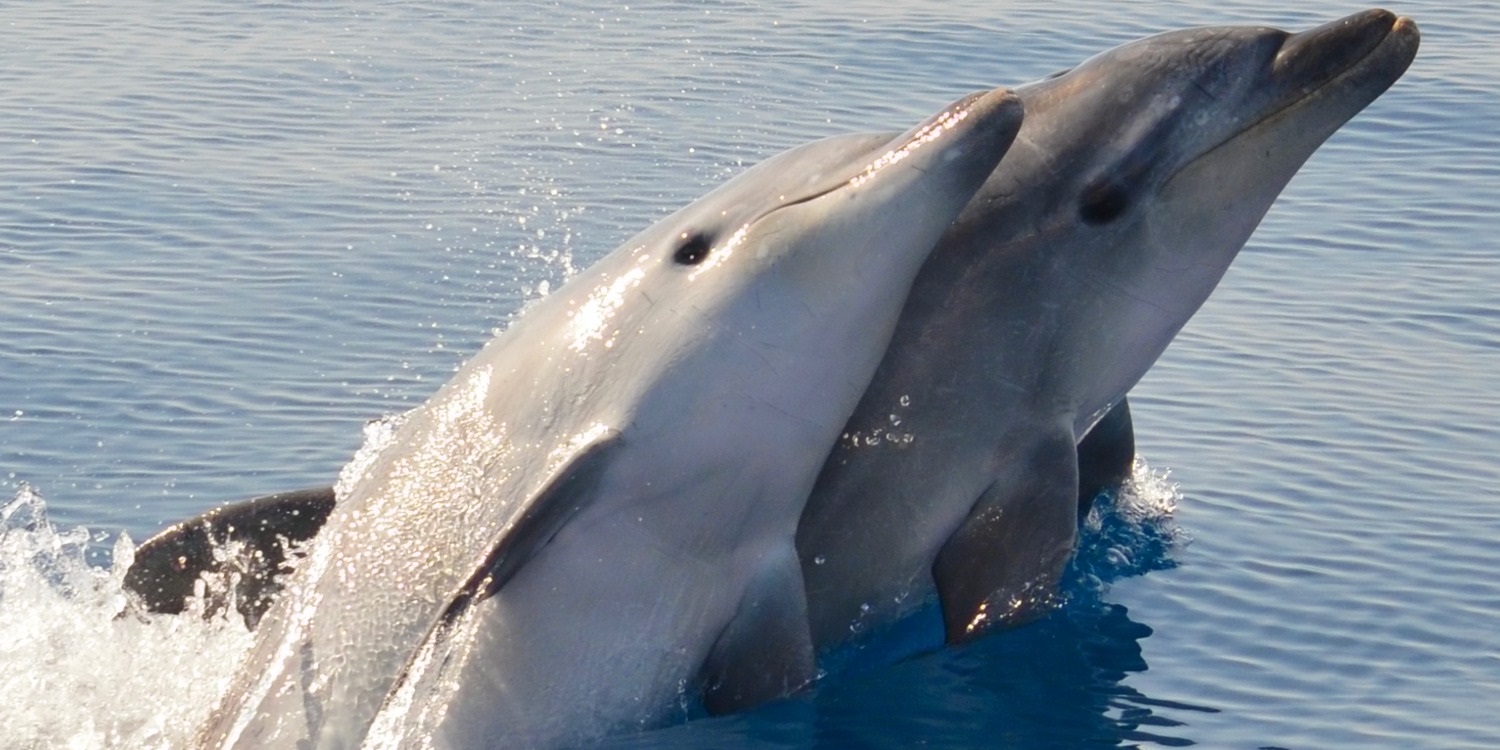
(940, 125)
(718, 254)
(591, 319)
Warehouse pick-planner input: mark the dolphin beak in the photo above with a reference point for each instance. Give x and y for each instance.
(1320, 54)
(979, 127)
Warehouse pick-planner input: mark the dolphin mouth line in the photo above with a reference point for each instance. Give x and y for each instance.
(1399, 29)
(932, 129)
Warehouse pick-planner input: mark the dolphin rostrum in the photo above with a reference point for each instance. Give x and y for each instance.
(594, 519)
(1136, 178)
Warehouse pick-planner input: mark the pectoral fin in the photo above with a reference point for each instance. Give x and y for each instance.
(1106, 455)
(1002, 565)
(766, 650)
(569, 490)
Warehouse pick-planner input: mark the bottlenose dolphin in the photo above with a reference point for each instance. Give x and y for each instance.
(1136, 178)
(594, 518)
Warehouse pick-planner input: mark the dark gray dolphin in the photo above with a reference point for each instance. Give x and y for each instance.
(1136, 178)
(594, 518)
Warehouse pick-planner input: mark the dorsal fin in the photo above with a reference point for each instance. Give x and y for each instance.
(260, 531)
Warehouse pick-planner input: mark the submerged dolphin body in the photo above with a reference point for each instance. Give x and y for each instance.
(594, 518)
(1136, 178)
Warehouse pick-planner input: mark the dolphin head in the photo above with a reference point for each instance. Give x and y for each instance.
(1139, 174)
(800, 263)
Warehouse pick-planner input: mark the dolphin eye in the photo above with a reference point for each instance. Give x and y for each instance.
(1103, 202)
(692, 249)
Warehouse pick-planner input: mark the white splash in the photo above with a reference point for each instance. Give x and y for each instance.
(81, 670)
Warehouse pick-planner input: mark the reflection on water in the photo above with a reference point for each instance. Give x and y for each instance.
(1059, 682)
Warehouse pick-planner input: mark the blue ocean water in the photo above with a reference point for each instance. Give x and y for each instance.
(230, 234)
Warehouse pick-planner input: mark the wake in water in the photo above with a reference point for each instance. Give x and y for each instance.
(1130, 531)
(85, 670)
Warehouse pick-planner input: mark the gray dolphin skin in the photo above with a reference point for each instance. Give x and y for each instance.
(1135, 180)
(594, 519)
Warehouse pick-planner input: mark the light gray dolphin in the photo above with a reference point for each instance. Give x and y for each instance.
(1135, 180)
(594, 518)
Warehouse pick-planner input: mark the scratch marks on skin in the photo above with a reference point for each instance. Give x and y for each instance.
(1103, 282)
(1198, 84)
(790, 416)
